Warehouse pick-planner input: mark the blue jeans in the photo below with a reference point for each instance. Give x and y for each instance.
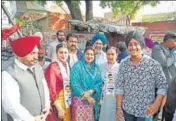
(129, 117)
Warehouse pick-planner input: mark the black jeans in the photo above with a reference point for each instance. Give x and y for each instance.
(129, 117)
(168, 116)
(170, 105)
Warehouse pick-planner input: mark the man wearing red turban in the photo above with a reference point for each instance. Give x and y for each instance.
(25, 95)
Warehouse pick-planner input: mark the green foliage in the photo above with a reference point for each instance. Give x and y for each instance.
(19, 21)
(43, 2)
(59, 2)
(128, 8)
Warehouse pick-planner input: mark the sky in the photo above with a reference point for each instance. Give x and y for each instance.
(164, 6)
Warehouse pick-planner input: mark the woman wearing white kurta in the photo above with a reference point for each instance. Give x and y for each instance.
(109, 72)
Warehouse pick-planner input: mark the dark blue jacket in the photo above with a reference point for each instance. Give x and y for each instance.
(121, 56)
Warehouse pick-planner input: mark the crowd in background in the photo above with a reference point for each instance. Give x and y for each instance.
(132, 81)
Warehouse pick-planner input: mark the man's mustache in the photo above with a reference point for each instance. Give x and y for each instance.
(98, 48)
(61, 39)
(40, 58)
(73, 46)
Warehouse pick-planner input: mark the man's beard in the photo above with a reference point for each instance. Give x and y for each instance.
(98, 49)
(61, 39)
(73, 48)
(40, 58)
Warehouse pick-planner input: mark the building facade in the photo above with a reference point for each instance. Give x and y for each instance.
(157, 30)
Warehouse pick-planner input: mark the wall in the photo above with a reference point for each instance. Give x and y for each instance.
(114, 38)
(156, 30)
(44, 24)
(57, 21)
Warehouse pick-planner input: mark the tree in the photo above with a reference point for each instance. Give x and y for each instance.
(128, 8)
(74, 8)
(89, 10)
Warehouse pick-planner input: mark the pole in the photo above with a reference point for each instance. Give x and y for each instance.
(10, 19)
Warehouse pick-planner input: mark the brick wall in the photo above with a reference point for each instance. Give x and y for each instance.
(156, 30)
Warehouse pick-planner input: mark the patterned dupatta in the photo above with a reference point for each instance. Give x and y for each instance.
(94, 73)
(65, 72)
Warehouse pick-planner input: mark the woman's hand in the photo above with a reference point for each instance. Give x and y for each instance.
(91, 100)
(61, 113)
(86, 95)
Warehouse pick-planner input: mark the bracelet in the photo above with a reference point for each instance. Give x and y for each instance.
(82, 95)
(118, 107)
(91, 91)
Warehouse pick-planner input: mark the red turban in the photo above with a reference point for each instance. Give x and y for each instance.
(24, 45)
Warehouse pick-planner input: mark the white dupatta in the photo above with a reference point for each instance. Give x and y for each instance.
(65, 72)
(108, 88)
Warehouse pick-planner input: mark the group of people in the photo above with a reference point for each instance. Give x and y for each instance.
(121, 83)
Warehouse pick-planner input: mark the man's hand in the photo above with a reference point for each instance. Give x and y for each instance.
(38, 118)
(175, 44)
(45, 112)
(119, 114)
(152, 109)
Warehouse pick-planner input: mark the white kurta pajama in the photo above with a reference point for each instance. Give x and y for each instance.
(101, 58)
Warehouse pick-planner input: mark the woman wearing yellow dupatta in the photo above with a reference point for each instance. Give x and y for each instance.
(58, 78)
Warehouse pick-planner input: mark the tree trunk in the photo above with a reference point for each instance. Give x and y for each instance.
(128, 20)
(42, 3)
(89, 10)
(74, 8)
